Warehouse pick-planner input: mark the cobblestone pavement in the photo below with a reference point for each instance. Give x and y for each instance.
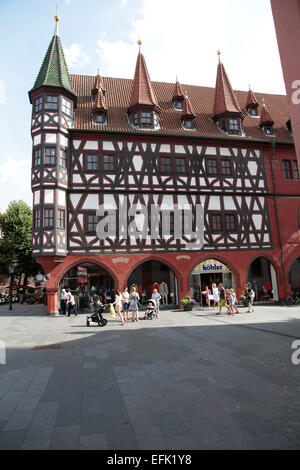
(188, 380)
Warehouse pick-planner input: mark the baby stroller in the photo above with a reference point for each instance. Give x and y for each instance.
(151, 306)
(97, 310)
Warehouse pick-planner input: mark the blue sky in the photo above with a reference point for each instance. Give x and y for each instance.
(179, 38)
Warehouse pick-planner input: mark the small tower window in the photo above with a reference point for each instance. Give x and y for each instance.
(51, 102)
(66, 107)
(233, 125)
(50, 155)
(38, 104)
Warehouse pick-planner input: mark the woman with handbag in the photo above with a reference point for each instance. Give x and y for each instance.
(133, 304)
(118, 308)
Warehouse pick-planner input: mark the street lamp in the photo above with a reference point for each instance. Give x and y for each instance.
(11, 272)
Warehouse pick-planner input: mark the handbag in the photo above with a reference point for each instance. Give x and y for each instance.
(112, 311)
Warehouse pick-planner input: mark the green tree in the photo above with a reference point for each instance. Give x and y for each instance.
(16, 241)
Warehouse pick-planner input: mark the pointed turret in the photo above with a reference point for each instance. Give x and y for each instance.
(143, 107)
(178, 95)
(187, 109)
(227, 111)
(251, 103)
(98, 84)
(188, 114)
(54, 72)
(99, 103)
(266, 121)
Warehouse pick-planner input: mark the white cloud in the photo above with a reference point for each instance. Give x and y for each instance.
(2, 92)
(15, 177)
(75, 57)
(182, 39)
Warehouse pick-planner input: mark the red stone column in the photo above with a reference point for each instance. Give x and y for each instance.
(52, 301)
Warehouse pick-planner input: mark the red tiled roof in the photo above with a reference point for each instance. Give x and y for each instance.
(118, 93)
(142, 91)
(225, 99)
(178, 91)
(251, 99)
(265, 117)
(99, 103)
(187, 108)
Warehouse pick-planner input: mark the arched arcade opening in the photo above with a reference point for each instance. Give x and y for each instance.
(263, 280)
(206, 273)
(294, 275)
(155, 274)
(86, 279)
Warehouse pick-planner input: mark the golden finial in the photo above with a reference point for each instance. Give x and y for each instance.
(219, 53)
(139, 43)
(263, 102)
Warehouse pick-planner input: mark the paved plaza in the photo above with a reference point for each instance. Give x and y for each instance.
(188, 380)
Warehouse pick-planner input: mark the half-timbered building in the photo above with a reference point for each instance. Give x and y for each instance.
(106, 151)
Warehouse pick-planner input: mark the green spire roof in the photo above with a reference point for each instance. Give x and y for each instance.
(54, 71)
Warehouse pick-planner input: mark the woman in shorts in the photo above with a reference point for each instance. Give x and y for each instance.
(125, 296)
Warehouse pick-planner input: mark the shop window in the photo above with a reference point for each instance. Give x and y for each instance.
(92, 162)
(61, 218)
(50, 156)
(49, 217)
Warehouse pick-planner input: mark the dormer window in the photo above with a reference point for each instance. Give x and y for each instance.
(178, 104)
(99, 118)
(145, 119)
(188, 124)
(268, 130)
(252, 111)
(230, 125)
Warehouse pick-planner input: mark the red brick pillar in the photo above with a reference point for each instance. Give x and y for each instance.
(52, 301)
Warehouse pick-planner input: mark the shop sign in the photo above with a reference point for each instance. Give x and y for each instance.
(211, 266)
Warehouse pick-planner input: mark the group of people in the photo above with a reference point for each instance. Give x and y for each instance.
(127, 303)
(67, 302)
(222, 297)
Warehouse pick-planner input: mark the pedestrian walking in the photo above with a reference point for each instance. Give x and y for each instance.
(222, 295)
(133, 306)
(63, 301)
(216, 297)
(71, 303)
(234, 306)
(126, 302)
(207, 294)
(250, 295)
(118, 306)
(156, 297)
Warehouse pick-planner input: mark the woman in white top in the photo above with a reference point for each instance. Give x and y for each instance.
(126, 296)
(63, 301)
(118, 308)
(215, 293)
